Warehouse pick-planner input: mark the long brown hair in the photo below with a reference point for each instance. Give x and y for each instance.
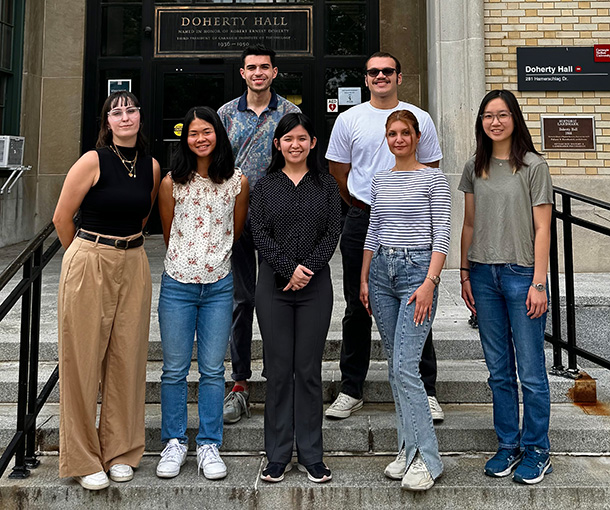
(120, 98)
(521, 140)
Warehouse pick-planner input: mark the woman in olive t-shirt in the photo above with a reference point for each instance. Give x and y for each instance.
(504, 256)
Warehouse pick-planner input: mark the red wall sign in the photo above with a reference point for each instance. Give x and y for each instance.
(602, 52)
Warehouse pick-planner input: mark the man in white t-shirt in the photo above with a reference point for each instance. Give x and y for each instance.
(356, 151)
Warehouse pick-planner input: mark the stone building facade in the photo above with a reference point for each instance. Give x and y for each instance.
(452, 52)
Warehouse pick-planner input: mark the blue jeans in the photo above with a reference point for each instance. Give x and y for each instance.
(186, 309)
(509, 335)
(395, 275)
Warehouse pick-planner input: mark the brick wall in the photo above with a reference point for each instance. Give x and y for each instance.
(509, 25)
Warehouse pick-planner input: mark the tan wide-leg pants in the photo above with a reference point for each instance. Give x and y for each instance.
(104, 317)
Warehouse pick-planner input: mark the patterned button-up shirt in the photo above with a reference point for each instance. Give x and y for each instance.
(251, 135)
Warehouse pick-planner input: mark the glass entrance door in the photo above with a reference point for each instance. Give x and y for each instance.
(178, 88)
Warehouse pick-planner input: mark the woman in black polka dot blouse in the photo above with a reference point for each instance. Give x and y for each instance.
(295, 213)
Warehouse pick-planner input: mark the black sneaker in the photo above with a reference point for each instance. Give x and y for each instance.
(317, 472)
(274, 471)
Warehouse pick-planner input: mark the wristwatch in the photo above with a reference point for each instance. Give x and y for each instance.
(435, 279)
(540, 287)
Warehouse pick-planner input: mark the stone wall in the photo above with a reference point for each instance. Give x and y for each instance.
(50, 113)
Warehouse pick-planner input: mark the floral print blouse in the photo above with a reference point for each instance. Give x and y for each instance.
(201, 235)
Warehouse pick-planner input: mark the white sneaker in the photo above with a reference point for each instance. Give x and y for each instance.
(435, 409)
(344, 406)
(397, 468)
(121, 473)
(209, 460)
(173, 458)
(417, 477)
(94, 482)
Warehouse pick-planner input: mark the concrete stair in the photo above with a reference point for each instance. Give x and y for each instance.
(357, 449)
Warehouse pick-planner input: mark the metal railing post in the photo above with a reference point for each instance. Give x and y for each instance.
(30, 455)
(569, 278)
(555, 294)
(20, 470)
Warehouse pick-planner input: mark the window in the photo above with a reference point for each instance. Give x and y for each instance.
(11, 51)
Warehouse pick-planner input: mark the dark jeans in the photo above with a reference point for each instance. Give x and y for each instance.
(294, 326)
(356, 345)
(243, 265)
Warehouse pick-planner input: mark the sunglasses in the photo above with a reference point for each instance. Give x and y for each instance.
(387, 71)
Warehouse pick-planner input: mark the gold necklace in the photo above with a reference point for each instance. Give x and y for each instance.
(131, 169)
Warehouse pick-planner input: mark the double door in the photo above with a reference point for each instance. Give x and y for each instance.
(178, 87)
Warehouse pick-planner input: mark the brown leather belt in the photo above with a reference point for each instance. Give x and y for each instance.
(121, 244)
(361, 205)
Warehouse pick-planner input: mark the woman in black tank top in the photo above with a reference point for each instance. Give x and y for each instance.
(104, 300)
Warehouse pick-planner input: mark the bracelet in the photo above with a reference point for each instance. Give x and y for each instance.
(462, 282)
(467, 269)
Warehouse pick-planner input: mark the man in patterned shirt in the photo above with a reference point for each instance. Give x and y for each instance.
(250, 121)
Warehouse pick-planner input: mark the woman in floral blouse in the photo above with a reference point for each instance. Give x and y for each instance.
(203, 204)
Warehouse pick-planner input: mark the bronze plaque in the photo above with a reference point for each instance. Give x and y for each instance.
(568, 134)
(226, 31)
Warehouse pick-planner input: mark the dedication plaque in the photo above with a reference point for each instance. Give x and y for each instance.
(568, 134)
(227, 31)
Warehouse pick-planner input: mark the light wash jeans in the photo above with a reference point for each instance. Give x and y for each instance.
(395, 275)
(508, 334)
(186, 309)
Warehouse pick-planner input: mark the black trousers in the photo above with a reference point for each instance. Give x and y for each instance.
(356, 345)
(294, 325)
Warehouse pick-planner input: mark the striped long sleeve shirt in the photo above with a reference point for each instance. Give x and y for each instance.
(410, 209)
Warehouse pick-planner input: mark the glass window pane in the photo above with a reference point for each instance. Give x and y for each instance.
(3, 80)
(121, 30)
(336, 77)
(290, 86)
(6, 11)
(6, 46)
(345, 29)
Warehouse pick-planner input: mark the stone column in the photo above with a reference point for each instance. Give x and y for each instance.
(456, 85)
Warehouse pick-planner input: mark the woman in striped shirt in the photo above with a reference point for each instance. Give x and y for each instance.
(404, 252)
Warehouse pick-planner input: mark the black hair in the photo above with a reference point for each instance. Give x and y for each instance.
(521, 139)
(184, 161)
(120, 98)
(286, 124)
(383, 54)
(257, 49)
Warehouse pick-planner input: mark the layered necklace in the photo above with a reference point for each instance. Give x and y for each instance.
(130, 165)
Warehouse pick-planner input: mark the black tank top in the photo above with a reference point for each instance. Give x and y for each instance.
(118, 204)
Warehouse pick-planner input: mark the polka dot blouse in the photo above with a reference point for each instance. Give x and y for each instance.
(294, 225)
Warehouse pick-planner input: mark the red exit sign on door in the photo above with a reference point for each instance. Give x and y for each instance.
(602, 52)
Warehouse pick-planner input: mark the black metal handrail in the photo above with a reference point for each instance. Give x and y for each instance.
(33, 260)
(555, 337)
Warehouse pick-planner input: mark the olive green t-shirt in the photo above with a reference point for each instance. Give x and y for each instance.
(503, 219)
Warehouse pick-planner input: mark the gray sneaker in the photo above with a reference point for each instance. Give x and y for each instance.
(235, 404)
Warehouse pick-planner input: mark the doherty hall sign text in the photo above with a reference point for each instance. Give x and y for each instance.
(226, 31)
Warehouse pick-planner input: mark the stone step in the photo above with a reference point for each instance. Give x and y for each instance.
(457, 382)
(451, 341)
(358, 482)
(466, 428)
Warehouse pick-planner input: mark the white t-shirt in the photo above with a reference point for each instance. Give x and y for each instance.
(358, 137)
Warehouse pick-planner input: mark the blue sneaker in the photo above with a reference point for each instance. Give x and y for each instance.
(503, 462)
(533, 467)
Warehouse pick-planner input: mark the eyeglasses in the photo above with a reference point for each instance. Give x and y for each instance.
(502, 117)
(387, 71)
(117, 113)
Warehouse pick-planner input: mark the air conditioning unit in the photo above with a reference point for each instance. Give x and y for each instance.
(11, 150)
